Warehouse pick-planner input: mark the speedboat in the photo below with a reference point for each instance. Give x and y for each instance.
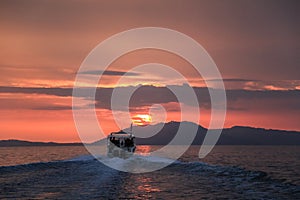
(121, 144)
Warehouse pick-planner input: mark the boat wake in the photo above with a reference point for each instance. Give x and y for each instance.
(88, 178)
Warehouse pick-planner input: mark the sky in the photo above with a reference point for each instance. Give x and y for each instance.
(255, 45)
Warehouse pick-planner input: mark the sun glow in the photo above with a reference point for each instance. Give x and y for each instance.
(142, 119)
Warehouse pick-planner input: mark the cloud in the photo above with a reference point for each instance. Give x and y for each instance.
(146, 96)
(52, 107)
(252, 39)
(64, 92)
(252, 84)
(110, 73)
(36, 76)
(232, 80)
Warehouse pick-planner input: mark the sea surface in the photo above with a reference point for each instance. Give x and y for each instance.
(228, 172)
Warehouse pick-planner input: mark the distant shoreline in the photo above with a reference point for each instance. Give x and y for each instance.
(23, 143)
(80, 144)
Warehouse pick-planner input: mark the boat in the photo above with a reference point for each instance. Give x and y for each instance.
(121, 144)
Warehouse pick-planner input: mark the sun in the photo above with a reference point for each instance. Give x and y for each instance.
(142, 119)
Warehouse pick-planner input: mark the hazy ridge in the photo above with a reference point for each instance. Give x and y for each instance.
(237, 135)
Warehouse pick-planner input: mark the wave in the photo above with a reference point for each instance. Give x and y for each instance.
(192, 167)
(85, 175)
(195, 167)
(217, 171)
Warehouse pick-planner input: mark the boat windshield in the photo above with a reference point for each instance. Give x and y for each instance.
(127, 142)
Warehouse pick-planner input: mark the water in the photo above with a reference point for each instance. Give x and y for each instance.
(240, 172)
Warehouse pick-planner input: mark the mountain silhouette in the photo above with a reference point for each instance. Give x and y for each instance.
(164, 133)
(237, 135)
